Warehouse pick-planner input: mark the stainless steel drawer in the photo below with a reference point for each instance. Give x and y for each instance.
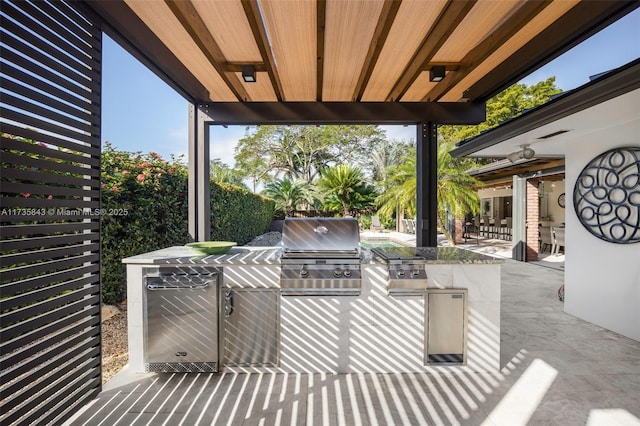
(181, 320)
(446, 327)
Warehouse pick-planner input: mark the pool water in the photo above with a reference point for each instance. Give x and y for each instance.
(379, 243)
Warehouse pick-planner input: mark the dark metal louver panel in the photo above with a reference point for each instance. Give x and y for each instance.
(50, 68)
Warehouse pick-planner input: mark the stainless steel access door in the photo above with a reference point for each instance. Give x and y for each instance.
(251, 327)
(181, 323)
(446, 327)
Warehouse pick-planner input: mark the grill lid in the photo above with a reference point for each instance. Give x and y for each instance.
(320, 236)
(398, 253)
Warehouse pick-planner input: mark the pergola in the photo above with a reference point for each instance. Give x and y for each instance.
(337, 61)
(408, 62)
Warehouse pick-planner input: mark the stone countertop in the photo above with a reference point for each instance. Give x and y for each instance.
(181, 255)
(247, 255)
(455, 255)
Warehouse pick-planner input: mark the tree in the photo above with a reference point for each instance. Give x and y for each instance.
(401, 192)
(221, 173)
(456, 190)
(345, 188)
(506, 105)
(288, 194)
(384, 155)
(301, 152)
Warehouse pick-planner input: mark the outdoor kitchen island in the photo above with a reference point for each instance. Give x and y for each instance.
(372, 329)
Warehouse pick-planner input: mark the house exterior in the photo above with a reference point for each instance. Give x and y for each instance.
(596, 130)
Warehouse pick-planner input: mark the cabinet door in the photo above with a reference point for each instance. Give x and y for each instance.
(251, 327)
(446, 323)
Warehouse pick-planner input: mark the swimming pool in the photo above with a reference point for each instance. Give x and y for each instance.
(379, 243)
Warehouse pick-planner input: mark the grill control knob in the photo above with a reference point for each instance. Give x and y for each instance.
(400, 273)
(347, 273)
(304, 273)
(337, 272)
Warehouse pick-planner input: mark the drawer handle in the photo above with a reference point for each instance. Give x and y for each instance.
(154, 286)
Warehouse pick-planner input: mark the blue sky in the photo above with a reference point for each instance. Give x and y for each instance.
(141, 113)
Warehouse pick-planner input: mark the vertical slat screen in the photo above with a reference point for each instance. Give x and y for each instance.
(50, 219)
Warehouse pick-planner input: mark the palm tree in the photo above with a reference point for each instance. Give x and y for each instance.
(455, 188)
(289, 194)
(401, 184)
(222, 173)
(345, 186)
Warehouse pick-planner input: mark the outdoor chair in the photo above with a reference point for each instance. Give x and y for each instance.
(412, 226)
(558, 240)
(484, 225)
(472, 228)
(497, 226)
(546, 239)
(375, 224)
(508, 229)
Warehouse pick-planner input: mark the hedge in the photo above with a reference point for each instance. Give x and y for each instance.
(148, 198)
(238, 214)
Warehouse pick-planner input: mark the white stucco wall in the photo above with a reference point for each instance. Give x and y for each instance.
(602, 279)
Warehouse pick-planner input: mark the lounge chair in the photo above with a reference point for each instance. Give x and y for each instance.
(375, 224)
(546, 239)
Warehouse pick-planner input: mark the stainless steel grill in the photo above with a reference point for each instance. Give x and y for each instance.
(407, 273)
(321, 256)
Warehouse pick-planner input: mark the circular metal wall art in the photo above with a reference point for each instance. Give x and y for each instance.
(607, 196)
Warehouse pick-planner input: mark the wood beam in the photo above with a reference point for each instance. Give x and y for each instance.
(237, 66)
(321, 17)
(575, 26)
(188, 16)
(499, 176)
(252, 11)
(343, 112)
(525, 13)
(452, 15)
(385, 21)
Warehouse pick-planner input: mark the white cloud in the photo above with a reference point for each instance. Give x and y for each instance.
(400, 132)
(224, 141)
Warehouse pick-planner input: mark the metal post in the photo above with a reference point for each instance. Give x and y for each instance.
(199, 188)
(192, 173)
(426, 187)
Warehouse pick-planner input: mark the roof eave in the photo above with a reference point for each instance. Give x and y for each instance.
(615, 83)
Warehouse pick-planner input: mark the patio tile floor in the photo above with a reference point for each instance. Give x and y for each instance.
(557, 370)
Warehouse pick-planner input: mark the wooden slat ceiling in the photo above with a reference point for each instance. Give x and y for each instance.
(366, 50)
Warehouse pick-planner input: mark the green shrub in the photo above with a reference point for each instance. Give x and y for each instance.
(365, 222)
(388, 222)
(145, 202)
(146, 208)
(238, 214)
